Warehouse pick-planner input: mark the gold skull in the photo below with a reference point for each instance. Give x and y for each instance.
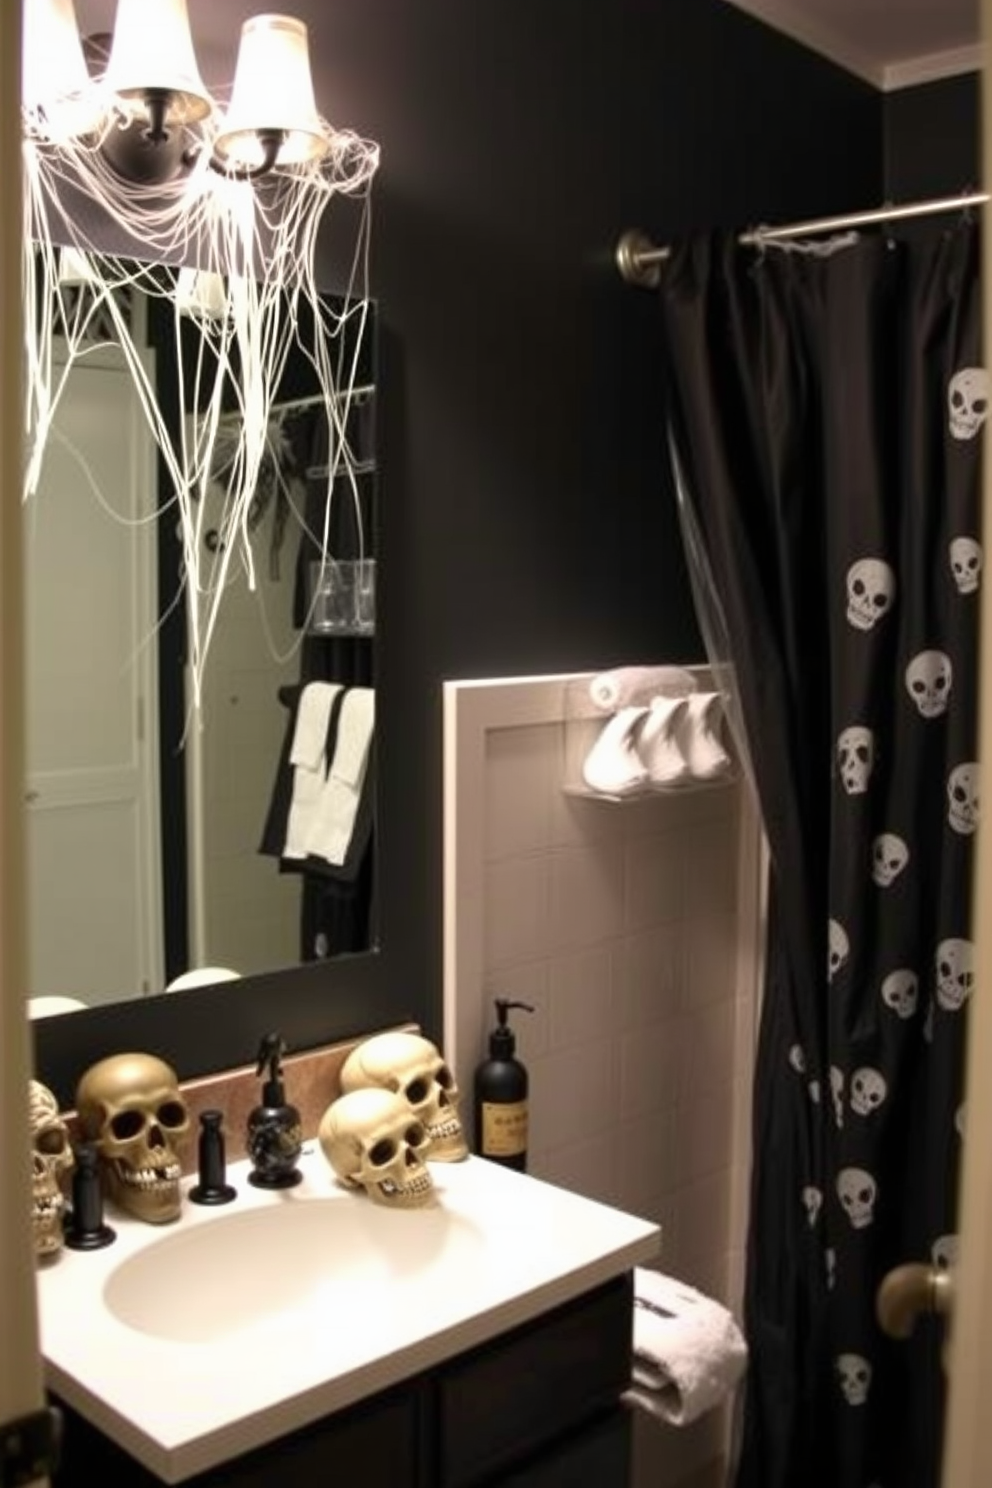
(51, 1158)
(131, 1106)
(412, 1068)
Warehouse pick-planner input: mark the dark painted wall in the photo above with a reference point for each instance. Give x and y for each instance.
(526, 522)
(932, 139)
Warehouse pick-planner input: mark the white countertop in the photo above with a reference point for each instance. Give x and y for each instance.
(416, 1288)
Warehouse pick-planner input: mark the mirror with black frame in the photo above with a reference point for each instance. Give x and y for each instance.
(170, 845)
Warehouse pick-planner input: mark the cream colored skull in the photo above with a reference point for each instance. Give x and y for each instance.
(411, 1066)
(51, 1160)
(130, 1105)
(372, 1141)
(968, 401)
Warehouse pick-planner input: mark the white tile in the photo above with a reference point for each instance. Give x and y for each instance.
(519, 777)
(710, 1047)
(704, 1211)
(711, 868)
(587, 1167)
(650, 1066)
(516, 909)
(578, 821)
(706, 1133)
(654, 869)
(662, 1209)
(586, 895)
(707, 1271)
(648, 1162)
(649, 976)
(583, 1004)
(572, 1095)
(710, 959)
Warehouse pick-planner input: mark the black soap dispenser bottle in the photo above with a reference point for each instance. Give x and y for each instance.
(274, 1136)
(501, 1085)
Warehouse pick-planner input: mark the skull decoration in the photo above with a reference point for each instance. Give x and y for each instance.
(830, 1265)
(954, 973)
(900, 991)
(130, 1105)
(944, 1252)
(838, 948)
(868, 1090)
(962, 798)
(889, 856)
(871, 589)
(968, 401)
(858, 1192)
(373, 1141)
(837, 1093)
(856, 758)
(797, 1059)
(52, 1159)
(812, 1201)
(966, 564)
(928, 681)
(411, 1066)
(854, 1374)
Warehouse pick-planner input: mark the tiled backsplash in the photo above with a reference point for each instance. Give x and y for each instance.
(632, 927)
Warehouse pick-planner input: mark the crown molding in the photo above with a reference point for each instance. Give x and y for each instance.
(784, 16)
(932, 68)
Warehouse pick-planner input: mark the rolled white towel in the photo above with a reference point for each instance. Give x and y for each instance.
(689, 1353)
(638, 684)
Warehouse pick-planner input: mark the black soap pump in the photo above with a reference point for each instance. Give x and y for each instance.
(501, 1095)
(274, 1137)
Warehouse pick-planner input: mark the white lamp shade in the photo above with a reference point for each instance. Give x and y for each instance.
(153, 50)
(55, 83)
(273, 90)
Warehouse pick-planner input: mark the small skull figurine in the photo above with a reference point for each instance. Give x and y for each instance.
(372, 1141)
(130, 1105)
(52, 1159)
(411, 1066)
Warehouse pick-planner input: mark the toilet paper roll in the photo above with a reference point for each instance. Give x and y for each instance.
(638, 684)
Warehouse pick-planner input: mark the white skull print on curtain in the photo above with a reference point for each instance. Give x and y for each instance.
(828, 446)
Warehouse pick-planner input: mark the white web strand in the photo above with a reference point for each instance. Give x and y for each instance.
(259, 241)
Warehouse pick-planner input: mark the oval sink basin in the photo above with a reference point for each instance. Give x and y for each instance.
(242, 1270)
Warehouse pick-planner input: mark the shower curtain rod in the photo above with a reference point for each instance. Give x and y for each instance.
(639, 260)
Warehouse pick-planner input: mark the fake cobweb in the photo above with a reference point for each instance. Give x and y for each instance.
(232, 259)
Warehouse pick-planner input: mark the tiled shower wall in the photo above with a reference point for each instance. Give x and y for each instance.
(620, 923)
(634, 930)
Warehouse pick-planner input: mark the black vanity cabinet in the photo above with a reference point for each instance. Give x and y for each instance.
(536, 1407)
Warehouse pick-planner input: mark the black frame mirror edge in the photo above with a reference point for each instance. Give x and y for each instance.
(311, 1004)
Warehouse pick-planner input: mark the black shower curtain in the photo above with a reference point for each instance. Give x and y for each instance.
(827, 407)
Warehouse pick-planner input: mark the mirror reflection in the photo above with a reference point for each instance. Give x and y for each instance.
(237, 837)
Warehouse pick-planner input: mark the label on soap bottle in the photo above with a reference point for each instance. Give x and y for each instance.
(504, 1128)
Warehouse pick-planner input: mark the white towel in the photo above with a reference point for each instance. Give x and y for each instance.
(306, 755)
(689, 1352)
(638, 684)
(333, 819)
(313, 711)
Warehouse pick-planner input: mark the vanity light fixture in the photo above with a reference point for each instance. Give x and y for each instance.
(150, 106)
(137, 177)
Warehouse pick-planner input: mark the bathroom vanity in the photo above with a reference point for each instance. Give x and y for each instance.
(308, 1333)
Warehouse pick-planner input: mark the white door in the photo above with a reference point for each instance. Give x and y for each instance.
(244, 913)
(91, 702)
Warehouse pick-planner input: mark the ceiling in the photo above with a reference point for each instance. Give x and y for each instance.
(891, 43)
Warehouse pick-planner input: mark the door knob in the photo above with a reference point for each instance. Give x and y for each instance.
(908, 1291)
